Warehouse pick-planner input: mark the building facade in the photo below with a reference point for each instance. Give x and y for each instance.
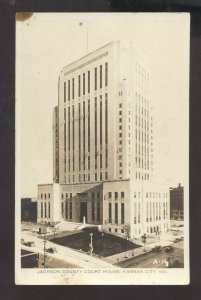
(28, 210)
(103, 143)
(177, 203)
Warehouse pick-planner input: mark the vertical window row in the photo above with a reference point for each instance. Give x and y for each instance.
(41, 209)
(122, 213)
(101, 77)
(79, 86)
(116, 213)
(106, 130)
(95, 79)
(79, 139)
(73, 88)
(88, 81)
(83, 135)
(73, 116)
(68, 90)
(110, 212)
(64, 91)
(69, 139)
(95, 132)
(106, 74)
(88, 134)
(83, 83)
(48, 209)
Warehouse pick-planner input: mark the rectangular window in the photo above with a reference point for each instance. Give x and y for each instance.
(83, 83)
(62, 208)
(101, 177)
(66, 210)
(41, 209)
(79, 86)
(110, 212)
(106, 176)
(138, 213)
(116, 213)
(101, 77)
(101, 161)
(49, 210)
(95, 79)
(106, 74)
(68, 90)
(122, 194)
(73, 88)
(98, 211)
(71, 212)
(93, 211)
(116, 195)
(88, 81)
(95, 176)
(45, 210)
(64, 91)
(122, 213)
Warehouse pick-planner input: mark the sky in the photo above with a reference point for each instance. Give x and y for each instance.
(47, 42)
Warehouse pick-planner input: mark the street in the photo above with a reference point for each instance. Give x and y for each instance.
(156, 259)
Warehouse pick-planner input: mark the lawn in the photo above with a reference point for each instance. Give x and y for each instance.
(104, 244)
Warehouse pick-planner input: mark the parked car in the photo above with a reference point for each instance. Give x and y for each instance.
(22, 242)
(51, 250)
(29, 244)
(169, 249)
(156, 248)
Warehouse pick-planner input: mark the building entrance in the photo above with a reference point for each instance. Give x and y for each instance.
(83, 211)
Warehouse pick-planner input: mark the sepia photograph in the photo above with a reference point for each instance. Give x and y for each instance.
(102, 148)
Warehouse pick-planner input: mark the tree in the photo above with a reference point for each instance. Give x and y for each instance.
(144, 239)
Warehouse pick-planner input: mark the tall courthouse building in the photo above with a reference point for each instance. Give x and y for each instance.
(104, 146)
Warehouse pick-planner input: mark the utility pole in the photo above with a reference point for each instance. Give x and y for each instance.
(91, 244)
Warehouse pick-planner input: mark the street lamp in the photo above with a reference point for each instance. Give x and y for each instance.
(91, 243)
(44, 241)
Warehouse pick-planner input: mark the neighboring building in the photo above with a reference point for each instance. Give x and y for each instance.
(103, 144)
(28, 210)
(56, 145)
(177, 203)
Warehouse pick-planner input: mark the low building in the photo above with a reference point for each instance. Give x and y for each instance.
(121, 207)
(177, 203)
(28, 210)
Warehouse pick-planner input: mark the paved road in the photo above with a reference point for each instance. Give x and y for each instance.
(156, 260)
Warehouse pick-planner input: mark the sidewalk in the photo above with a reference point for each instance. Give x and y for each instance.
(166, 239)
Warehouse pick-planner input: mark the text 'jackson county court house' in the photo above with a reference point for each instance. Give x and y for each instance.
(103, 146)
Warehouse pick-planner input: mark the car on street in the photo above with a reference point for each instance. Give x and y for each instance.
(156, 248)
(169, 249)
(29, 244)
(51, 250)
